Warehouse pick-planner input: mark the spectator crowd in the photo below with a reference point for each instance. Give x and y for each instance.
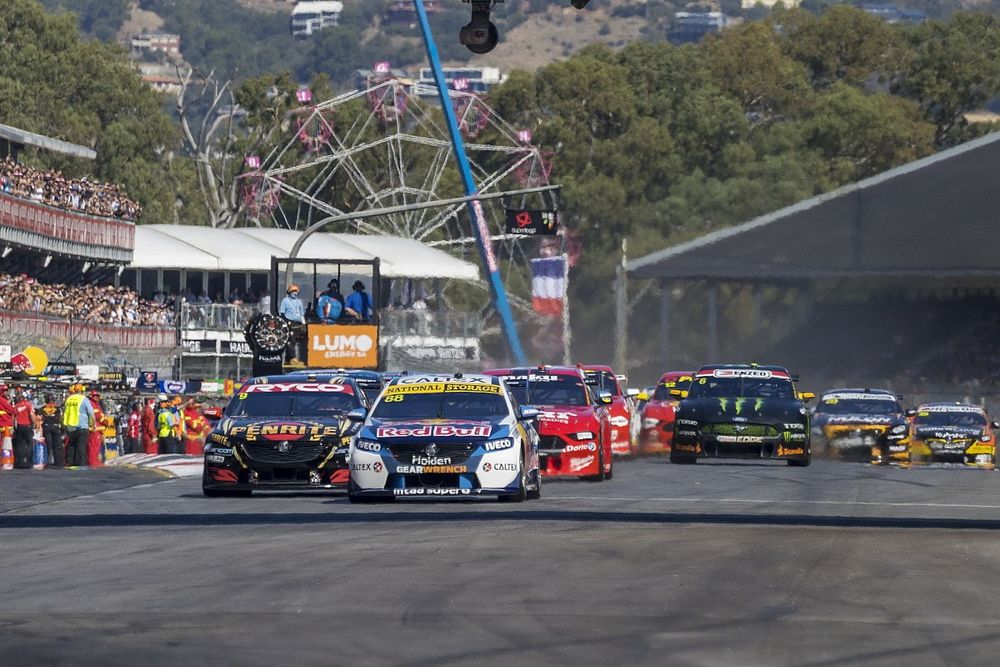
(98, 304)
(73, 194)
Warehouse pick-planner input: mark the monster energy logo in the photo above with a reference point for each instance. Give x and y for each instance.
(724, 403)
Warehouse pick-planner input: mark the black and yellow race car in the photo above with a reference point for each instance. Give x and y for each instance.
(742, 411)
(859, 424)
(284, 431)
(952, 433)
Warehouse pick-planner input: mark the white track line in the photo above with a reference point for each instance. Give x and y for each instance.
(777, 502)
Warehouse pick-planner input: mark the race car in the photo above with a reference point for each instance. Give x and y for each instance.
(284, 431)
(445, 436)
(574, 426)
(624, 419)
(952, 433)
(859, 425)
(657, 414)
(742, 411)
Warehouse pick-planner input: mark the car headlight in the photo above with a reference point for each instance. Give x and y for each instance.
(584, 435)
(367, 445)
(898, 429)
(985, 438)
(686, 422)
(650, 422)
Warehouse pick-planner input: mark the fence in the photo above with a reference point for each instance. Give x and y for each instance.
(55, 223)
(70, 332)
(215, 316)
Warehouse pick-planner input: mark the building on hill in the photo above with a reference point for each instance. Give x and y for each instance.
(750, 4)
(893, 14)
(311, 16)
(472, 79)
(403, 11)
(152, 43)
(692, 27)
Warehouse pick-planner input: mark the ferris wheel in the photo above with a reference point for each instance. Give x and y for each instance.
(386, 148)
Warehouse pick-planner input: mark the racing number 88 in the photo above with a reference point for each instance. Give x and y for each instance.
(394, 399)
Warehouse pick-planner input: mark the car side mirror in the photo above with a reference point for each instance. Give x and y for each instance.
(357, 415)
(679, 393)
(994, 424)
(910, 412)
(643, 396)
(631, 392)
(806, 396)
(526, 413)
(604, 397)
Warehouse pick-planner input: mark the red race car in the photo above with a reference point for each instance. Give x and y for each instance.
(657, 415)
(574, 426)
(624, 420)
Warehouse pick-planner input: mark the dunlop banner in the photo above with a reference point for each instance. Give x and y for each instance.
(346, 345)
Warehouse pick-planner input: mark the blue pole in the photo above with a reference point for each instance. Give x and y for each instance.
(476, 215)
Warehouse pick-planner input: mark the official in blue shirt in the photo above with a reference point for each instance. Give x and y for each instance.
(360, 302)
(291, 307)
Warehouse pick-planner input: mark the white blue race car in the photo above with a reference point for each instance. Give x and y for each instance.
(445, 436)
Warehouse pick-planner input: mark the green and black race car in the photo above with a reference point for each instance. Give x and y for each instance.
(742, 411)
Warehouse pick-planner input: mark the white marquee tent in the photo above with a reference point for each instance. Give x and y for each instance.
(251, 249)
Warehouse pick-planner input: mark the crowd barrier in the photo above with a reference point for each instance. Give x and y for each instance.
(43, 326)
(66, 225)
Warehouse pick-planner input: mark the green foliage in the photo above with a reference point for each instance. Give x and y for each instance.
(87, 92)
(98, 18)
(658, 144)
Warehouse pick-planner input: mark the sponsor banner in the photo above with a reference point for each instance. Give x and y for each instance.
(583, 447)
(925, 410)
(432, 491)
(179, 387)
(432, 379)
(343, 345)
(855, 396)
(435, 431)
(277, 430)
(750, 373)
(526, 222)
(435, 469)
(576, 465)
(439, 387)
(296, 387)
(88, 372)
(112, 378)
(4, 354)
(489, 466)
(239, 347)
(200, 345)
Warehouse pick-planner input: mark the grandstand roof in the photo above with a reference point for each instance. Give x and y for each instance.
(17, 136)
(932, 218)
(251, 249)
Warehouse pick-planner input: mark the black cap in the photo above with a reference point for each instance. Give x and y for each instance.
(334, 283)
(358, 285)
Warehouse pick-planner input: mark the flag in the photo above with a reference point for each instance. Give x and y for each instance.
(548, 285)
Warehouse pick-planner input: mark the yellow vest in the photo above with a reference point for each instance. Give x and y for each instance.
(71, 411)
(163, 423)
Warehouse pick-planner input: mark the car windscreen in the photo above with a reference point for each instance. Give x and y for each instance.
(603, 381)
(662, 391)
(840, 406)
(286, 401)
(736, 387)
(550, 390)
(949, 418)
(442, 401)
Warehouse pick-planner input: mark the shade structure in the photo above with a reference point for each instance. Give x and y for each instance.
(251, 249)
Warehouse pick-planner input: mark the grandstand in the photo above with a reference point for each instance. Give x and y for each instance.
(97, 289)
(892, 281)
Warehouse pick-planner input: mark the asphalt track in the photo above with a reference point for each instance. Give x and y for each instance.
(719, 563)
